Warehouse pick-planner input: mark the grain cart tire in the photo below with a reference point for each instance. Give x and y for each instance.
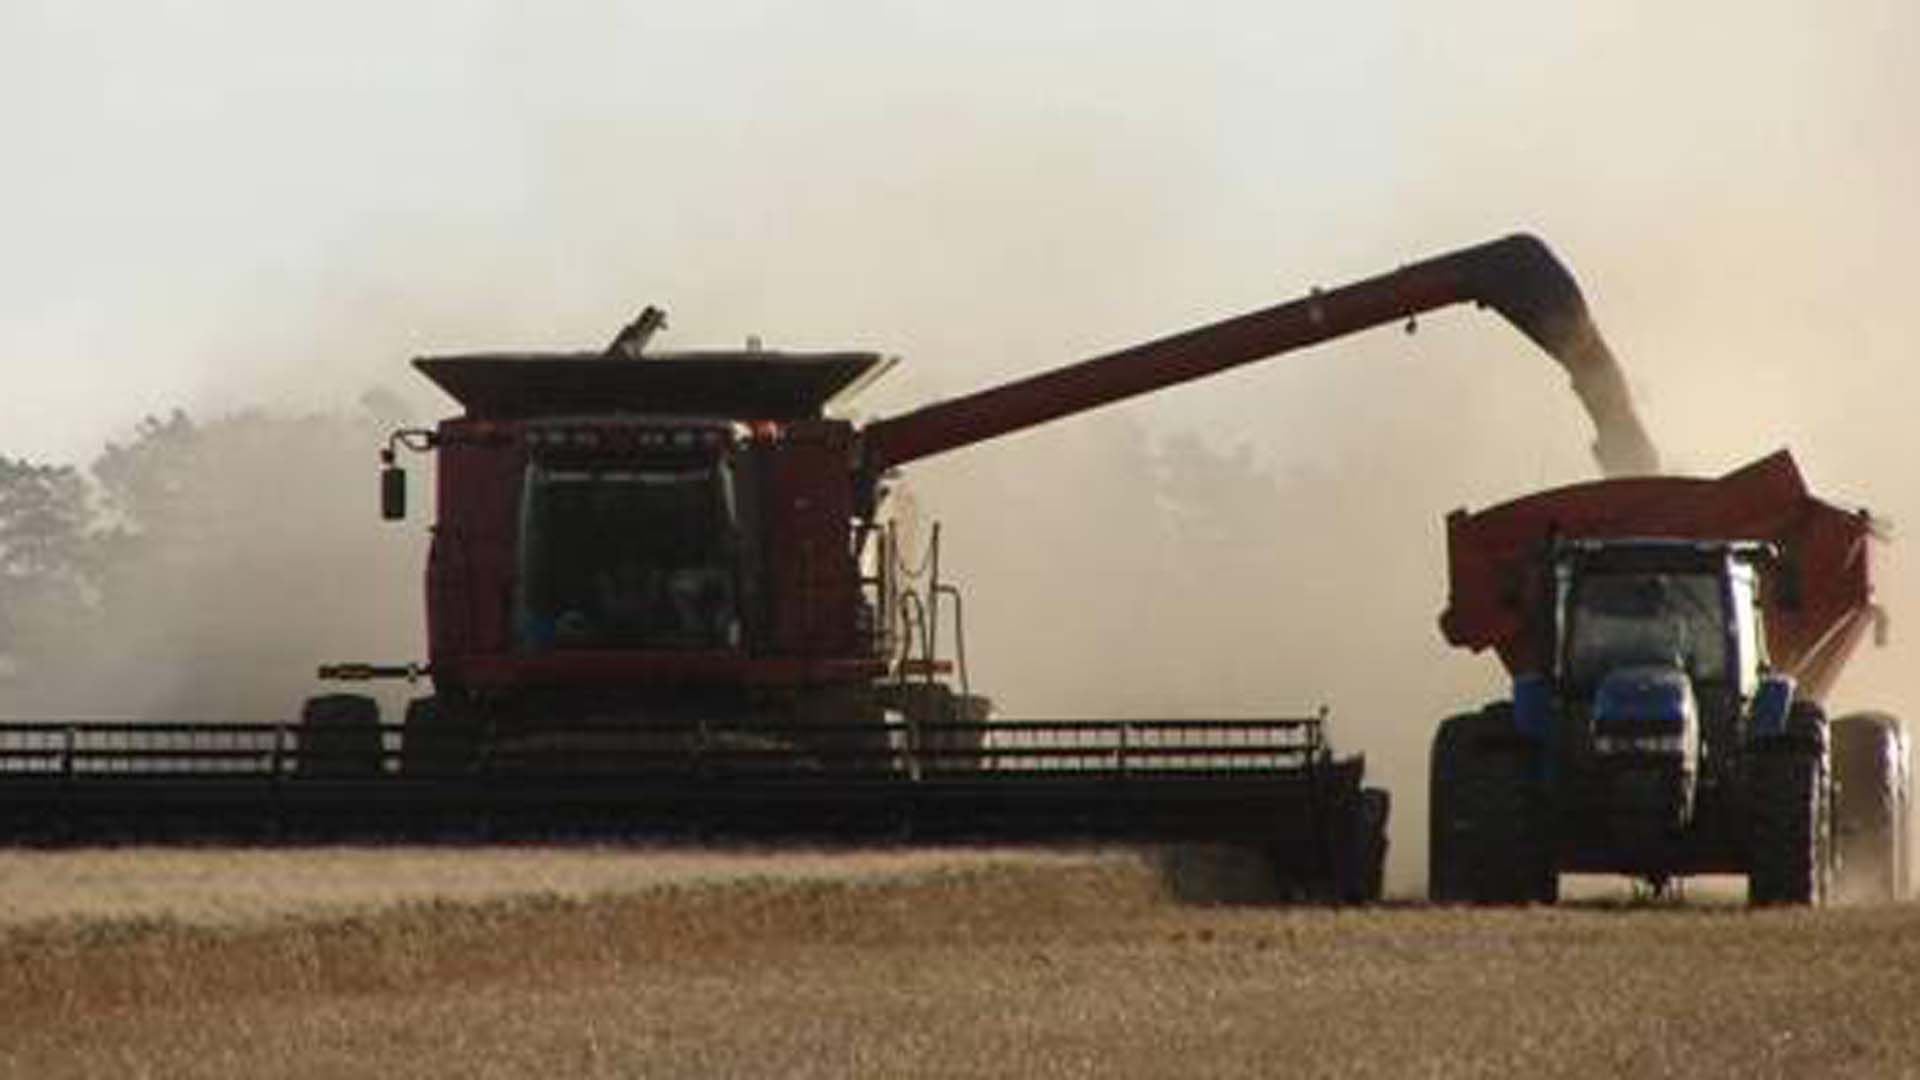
(434, 741)
(1870, 806)
(1788, 858)
(340, 736)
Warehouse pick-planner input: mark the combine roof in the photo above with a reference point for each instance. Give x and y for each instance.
(754, 385)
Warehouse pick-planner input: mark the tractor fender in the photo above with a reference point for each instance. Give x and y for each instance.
(1772, 704)
(1532, 707)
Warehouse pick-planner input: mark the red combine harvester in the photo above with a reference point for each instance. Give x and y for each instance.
(662, 592)
(1671, 643)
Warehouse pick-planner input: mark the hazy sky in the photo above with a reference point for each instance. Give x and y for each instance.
(208, 203)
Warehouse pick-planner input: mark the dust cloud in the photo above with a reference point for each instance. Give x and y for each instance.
(247, 550)
(990, 193)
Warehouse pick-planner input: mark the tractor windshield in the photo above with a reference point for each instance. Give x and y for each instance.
(1624, 619)
(628, 558)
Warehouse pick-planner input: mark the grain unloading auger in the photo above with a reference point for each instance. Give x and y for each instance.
(661, 593)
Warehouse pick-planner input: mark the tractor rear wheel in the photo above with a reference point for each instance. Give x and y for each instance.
(340, 736)
(1870, 806)
(1789, 856)
(1509, 860)
(1446, 866)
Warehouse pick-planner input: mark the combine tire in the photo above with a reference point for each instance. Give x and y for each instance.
(1489, 838)
(1870, 806)
(434, 742)
(340, 736)
(943, 736)
(842, 729)
(1789, 860)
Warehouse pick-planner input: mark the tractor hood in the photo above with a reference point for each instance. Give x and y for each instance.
(1644, 700)
(1647, 710)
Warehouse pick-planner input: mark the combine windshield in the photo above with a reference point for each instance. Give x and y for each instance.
(1625, 619)
(628, 558)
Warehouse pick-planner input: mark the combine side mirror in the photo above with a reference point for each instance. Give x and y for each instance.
(393, 478)
(393, 492)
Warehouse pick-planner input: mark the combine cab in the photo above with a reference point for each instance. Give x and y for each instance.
(663, 594)
(1671, 642)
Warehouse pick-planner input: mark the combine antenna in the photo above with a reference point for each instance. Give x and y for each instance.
(632, 339)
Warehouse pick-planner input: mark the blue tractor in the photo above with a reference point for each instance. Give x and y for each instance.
(1653, 736)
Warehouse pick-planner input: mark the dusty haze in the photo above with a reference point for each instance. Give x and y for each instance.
(219, 206)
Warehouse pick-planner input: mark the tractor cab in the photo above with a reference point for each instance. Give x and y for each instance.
(1659, 650)
(1687, 606)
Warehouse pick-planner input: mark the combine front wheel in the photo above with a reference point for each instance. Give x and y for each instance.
(437, 741)
(340, 736)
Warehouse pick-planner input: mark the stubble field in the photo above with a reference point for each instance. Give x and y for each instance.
(609, 963)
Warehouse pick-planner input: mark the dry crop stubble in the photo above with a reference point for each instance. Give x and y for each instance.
(227, 886)
(1057, 969)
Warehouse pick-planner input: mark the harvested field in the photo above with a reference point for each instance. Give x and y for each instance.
(1058, 967)
(229, 887)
